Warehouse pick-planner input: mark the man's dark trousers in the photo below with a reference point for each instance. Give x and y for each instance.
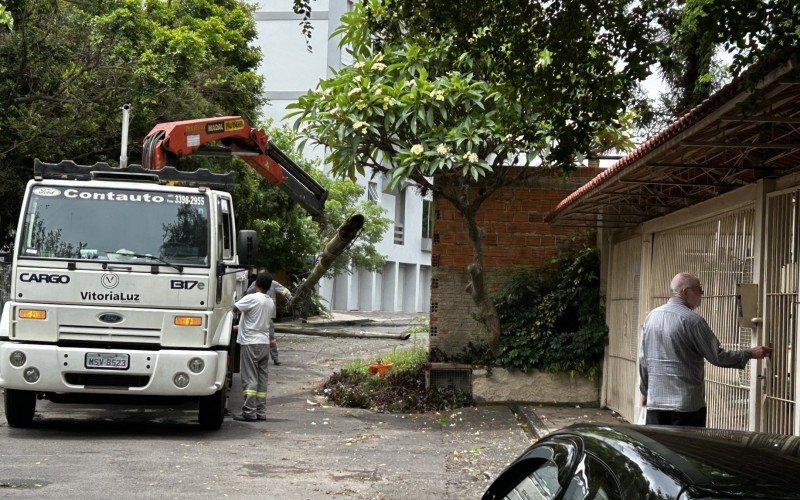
(685, 418)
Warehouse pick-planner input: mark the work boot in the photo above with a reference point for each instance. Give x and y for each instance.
(242, 418)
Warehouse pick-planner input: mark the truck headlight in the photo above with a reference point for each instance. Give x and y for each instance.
(196, 365)
(180, 380)
(17, 359)
(30, 375)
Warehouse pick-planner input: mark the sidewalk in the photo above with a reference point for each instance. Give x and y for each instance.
(542, 420)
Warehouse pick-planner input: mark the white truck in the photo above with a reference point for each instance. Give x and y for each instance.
(123, 281)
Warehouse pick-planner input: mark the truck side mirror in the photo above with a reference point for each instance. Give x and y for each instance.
(247, 247)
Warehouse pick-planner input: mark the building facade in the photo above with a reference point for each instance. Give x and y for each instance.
(290, 69)
(716, 194)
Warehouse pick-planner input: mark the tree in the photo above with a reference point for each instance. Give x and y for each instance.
(66, 67)
(695, 34)
(448, 96)
(289, 239)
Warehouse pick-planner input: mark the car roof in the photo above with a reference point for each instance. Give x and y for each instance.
(749, 463)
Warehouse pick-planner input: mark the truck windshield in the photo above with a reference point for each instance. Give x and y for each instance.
(134, 226)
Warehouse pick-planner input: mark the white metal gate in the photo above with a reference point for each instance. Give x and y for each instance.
(719, 251)
(778, 411)
(622, 317)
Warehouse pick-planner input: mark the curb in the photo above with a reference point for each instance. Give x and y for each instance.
(348, 322)
(532, 420)
(316, 331)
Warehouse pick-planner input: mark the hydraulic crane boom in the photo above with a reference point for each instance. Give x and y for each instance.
(168, 142)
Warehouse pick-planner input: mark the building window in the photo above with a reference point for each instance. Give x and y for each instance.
(372, 192)
(399, 217)
(427, 219)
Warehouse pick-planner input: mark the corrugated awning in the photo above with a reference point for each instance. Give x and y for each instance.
(732, 139)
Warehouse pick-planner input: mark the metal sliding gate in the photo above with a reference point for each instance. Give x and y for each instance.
(719, 251)
(779, 401)
(622, 316)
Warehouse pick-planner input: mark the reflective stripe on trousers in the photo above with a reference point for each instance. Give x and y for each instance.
(254, 364)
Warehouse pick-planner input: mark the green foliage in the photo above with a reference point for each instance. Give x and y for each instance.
(5, 18)
(570, 66)
(446, 106)
(358, 366)
(401, 390)
(289, 238)
(402, 360)
(406, 359)
(67, 67)
(698, 37)
(475, 353)
(427, 106)
(553, 318)
(419, 324)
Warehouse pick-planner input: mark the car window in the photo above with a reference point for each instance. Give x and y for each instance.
(539, 484)
(593, 481)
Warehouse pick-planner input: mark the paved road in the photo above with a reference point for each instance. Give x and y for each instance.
(305, 449)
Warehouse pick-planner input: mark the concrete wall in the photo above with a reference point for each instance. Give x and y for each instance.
(533, 387)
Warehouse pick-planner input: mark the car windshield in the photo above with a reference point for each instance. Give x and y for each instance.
(134, 226)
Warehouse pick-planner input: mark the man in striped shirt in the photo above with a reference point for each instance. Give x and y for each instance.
(675, 342)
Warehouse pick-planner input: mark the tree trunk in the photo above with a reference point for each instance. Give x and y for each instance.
(487, 314)
(345, 235)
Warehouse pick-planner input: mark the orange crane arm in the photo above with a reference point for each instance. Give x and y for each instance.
(168, 142)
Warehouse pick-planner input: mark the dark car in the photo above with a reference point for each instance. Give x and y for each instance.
(640, 462)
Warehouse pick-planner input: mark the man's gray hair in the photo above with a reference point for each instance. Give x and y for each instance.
(682, 281)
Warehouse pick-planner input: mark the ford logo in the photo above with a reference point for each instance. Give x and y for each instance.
(110, 318)
(46, 191)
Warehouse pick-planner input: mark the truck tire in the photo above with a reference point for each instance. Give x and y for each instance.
(20, 406)
(212, 410)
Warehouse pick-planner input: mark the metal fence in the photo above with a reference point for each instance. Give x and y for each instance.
(622, 316)
(778, 412)
(719, 251)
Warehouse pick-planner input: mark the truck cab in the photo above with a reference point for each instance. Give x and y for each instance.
(122, 283)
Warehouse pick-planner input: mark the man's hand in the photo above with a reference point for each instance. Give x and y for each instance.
(760, 352)
(642, 400)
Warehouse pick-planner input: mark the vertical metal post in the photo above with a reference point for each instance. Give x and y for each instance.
(126, 116)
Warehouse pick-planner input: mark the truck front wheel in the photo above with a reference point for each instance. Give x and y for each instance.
(212, 410)
(20, 406)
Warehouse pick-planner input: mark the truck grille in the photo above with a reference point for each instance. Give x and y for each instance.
(105, 334)
(106, 380)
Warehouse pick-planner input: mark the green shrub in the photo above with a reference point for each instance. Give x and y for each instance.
(552, 318)
(406, 359)
(401, 390)
(357, 366)
(419, 325)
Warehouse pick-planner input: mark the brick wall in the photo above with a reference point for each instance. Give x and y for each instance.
(515, 235)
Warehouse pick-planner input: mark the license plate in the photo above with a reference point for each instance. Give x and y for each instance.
(107, 361)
